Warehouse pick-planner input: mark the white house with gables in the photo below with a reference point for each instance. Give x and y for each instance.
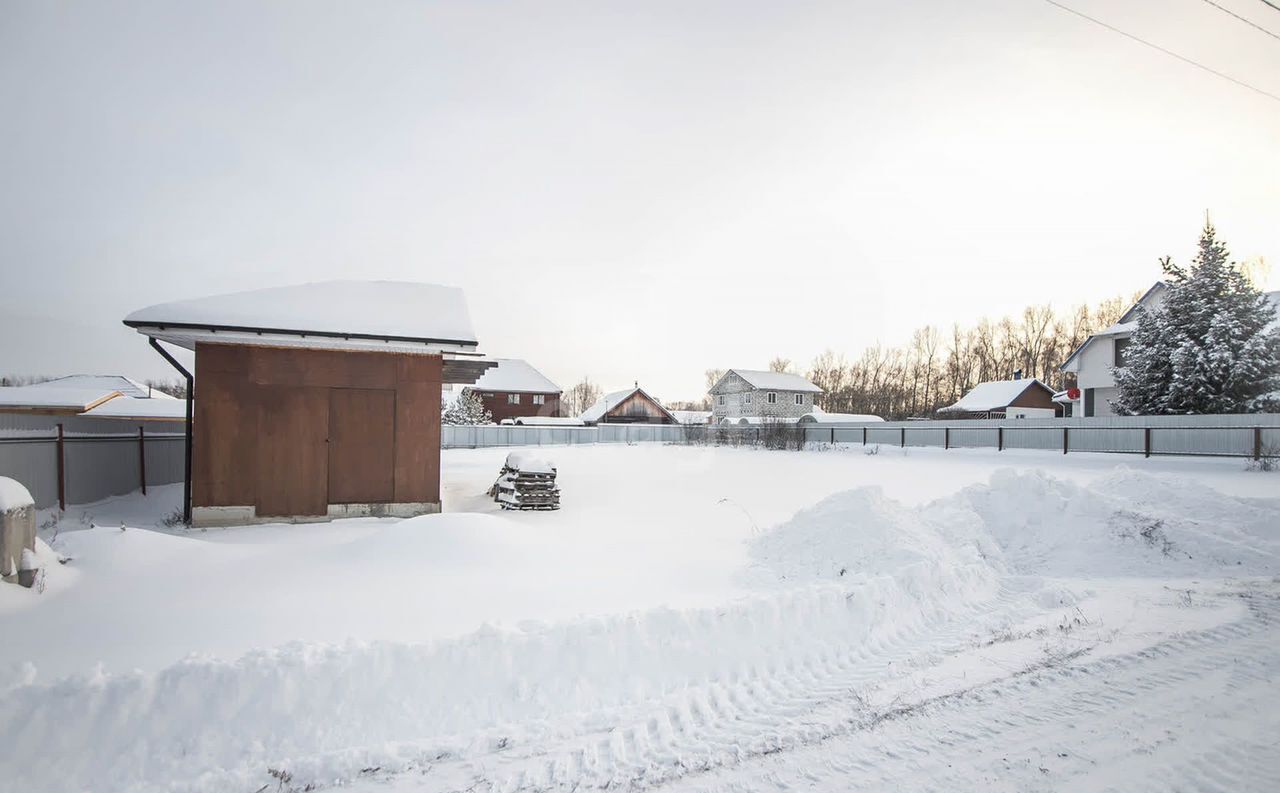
(751, 394)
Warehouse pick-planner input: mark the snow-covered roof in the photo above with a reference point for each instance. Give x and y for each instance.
(14, 495)
(127, 386)
(611, 400)
(127, 407)
(823, 417)
(398, 316)
(992, 395)
(45, 397)
(545, 421)
(692, 416)
(773, 381)
(513, 374)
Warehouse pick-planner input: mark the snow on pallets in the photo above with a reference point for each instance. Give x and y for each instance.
(526, 482)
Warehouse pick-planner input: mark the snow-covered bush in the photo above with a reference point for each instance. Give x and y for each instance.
(466, 409)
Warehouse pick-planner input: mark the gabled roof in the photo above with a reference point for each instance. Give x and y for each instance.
(993, 395)
(611, 400)
(127, 407)
(515, 375)
(395, 316)
(41, 397)
(771, 381)
(113, 382)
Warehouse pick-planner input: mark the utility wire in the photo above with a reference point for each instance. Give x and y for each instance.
(1182, 58)
(1248, 22)
(1273, 5)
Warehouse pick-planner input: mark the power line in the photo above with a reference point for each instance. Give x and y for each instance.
(1273, 5)
(1157, 47)
(1248, 22)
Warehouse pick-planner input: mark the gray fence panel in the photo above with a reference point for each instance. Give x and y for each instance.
(1213, 441)
(166, 460)
(97, 468)
(925, 436)
(1026, 437)
(974, 438)
(1106, 439)
(35, 465)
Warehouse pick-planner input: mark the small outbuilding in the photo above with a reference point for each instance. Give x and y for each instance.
(998, 399)
(629, 406)
(317, 401)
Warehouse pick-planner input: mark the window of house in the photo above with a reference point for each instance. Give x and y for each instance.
(720, 400)
(773, 398)
(799, 399)
(746, 398)
(539, 399)
(1121, 345)
(513, 399)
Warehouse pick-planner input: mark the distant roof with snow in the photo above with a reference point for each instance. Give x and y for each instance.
(775, 381)
(692, 416)
(127, 407)
(611, 400)
(823, 417)
(513, 374)
(107, 382)
(54, 398)
(993, 395)
(324, 314)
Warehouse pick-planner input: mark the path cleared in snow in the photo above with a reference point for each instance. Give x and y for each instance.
(919, 620)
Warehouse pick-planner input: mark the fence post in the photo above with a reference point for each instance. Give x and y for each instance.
(833, 436)
(904, 437)
(864, 435)
(62, 472)
(1257, 443)
(1146, 441)
(946, 438)
(1064, 440)
(142, 460)
(999, 439)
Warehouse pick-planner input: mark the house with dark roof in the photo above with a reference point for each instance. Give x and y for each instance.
(513, 389)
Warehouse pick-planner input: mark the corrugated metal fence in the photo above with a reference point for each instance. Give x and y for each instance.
(1230, 435)
(94, 459)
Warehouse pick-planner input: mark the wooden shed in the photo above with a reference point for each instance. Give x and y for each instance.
(317, 401)
(629, 406)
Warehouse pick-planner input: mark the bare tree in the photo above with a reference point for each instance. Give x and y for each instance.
(580, 397)
(780, 364)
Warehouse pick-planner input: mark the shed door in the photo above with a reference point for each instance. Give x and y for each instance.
(291, 451)
(361, 446)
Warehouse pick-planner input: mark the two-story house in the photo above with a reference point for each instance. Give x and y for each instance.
(750, 394)
(514, 389)
(1093, 361)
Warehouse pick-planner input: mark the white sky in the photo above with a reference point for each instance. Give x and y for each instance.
(630, 191)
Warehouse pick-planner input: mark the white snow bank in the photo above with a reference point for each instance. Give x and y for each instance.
(14, 495)
(323, 712)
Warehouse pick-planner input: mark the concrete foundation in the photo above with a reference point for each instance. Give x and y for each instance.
(244, 516)
(17, 532)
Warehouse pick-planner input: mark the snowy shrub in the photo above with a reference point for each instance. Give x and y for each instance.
(1269, 460)
(1206, 348)
(467, 409)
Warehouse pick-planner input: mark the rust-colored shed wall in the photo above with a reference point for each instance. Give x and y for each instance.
(290, 431)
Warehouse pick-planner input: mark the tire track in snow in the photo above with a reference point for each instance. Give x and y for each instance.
(1061, 721)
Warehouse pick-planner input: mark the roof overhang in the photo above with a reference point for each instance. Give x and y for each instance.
(187, 335)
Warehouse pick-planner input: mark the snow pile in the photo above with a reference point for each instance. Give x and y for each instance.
(530, 462)
(1127, 524)
(14, 495)
(324, 712)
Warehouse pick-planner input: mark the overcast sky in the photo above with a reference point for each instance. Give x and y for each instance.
(629, 191)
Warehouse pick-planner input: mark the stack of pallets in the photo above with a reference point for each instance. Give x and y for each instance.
(526, 482)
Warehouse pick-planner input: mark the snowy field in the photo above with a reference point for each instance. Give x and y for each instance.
(692, 619)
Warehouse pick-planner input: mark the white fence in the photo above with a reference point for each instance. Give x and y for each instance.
(93, 459)
(1248, 435)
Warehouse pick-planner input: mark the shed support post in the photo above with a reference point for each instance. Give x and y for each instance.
(1064, 440)
(62, 471)
(1257, 443)
(142, 459)
(1146, 441)
(191, 400)
(999, 439)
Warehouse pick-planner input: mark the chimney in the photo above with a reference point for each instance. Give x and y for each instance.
(1017, 374)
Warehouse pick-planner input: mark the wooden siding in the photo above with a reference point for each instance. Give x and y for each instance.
(266, 419)
(1037, 397)
(637, 409)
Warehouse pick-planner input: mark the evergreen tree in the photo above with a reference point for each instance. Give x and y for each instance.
(1205, 348)
(466, 409)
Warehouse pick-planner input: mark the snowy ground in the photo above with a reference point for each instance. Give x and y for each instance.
(692, 619)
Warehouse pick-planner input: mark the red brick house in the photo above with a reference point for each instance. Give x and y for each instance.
(514, 389)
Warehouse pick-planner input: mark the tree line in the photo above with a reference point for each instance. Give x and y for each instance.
(936, 369)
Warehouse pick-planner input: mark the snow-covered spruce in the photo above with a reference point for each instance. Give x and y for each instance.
(466, 409)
